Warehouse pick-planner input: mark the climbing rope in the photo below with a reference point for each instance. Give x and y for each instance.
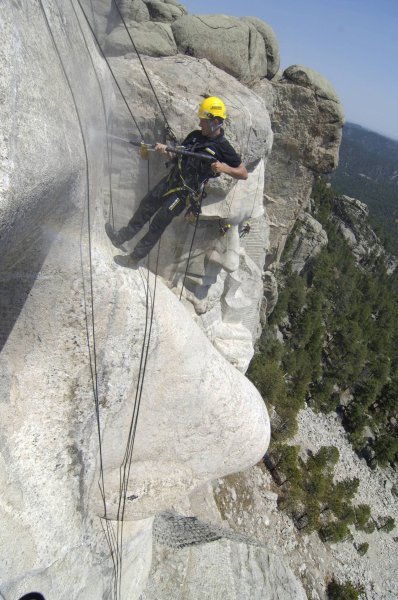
(112, 539)
(108, 150)
(115, 539)
(168, 128)
(91, 336)
(110, 69)
(191, 246)
(126, 464)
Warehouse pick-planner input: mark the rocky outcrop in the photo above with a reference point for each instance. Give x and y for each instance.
(153, 39)
(306, 119)
(308, 240)
(165, 10)
(234, 45)
(270, 42)
(235, 566)
(352, 218)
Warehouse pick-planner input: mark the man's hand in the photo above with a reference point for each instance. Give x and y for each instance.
(218, 167)
(235, 172)
(162, 148)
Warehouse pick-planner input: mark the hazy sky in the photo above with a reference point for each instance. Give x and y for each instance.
(353, 43)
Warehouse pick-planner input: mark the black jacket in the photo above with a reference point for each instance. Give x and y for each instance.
(196, 172)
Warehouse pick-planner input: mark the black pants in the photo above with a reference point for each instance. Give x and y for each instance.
(165, 207)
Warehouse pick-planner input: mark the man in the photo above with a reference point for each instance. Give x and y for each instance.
(184, 185)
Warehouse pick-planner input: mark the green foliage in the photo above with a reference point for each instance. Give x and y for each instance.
(386, 449)
(362, 516)
(339, 325)
(386, 524)
(287, 463)
(343, 591)
(369, 527)
(340, 328)
(363, 548)
(268, 378)
(367, 171)
(334, 532)
(311, 498)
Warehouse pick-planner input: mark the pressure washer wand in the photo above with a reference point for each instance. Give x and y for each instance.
(145, 148)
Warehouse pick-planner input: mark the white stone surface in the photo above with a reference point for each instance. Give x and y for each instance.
(218, 570)
(199, 417)
(228, 202)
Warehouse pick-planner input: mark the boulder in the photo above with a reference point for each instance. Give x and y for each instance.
(271, 44)
(231, 44)
(309, 239)
(306, 77)
(151, 39)
(132, 10)
(165, 11)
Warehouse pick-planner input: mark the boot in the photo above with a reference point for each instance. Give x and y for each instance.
(128, 261)
(117, 238)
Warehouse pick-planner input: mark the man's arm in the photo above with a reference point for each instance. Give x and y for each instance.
(239, 172)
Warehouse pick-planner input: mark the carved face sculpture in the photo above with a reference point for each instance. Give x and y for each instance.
(75, 347)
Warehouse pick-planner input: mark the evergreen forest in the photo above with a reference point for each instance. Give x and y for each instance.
(331, 343)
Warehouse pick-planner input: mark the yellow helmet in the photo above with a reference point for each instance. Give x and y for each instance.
(212, 107)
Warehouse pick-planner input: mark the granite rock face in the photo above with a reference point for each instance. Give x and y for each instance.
(79, 333)
(165, 10)
(151, 38)
(306, 113)
(308, 241)
(351, 216)
(223, 281)
(75, 329)
(233, 45)
(307, 121)
(270, 42)
(236, 567)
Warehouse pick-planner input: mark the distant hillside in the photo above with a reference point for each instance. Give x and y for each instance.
(368, 170)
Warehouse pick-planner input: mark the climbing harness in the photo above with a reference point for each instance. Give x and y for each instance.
(224, 227)
(193, 198)
(246, 227)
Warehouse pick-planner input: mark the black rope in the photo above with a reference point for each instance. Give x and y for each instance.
(125, 467)
(92, 352)
(191, 246)
(168, 128)
(110, 69)
(114, 540)
(109, 152)
(126, 464)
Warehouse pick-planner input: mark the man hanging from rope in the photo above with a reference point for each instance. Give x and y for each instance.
(184, 185)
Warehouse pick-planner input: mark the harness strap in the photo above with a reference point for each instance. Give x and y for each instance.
(176, 189)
